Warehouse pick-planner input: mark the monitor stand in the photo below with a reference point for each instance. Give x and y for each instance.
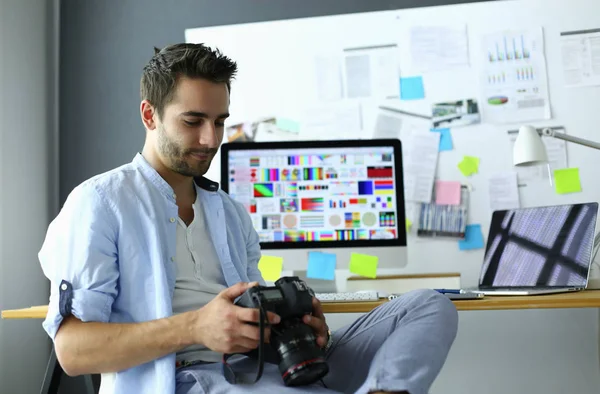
(318, 285)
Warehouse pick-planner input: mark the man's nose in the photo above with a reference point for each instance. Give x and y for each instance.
(208, 135)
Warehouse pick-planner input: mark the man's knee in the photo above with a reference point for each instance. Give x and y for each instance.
(427, 302)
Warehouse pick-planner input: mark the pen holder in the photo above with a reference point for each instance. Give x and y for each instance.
(444, 220)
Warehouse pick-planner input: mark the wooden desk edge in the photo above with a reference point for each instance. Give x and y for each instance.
(587, 299)
(583, 299)
(34, 312)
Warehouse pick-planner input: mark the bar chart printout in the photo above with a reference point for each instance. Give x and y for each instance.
(515, 86)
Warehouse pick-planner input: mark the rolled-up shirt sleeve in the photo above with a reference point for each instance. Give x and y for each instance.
(79, 257)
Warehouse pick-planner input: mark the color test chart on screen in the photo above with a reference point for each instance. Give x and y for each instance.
(317, 195)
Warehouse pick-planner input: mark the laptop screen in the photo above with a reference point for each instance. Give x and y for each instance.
(542, 246)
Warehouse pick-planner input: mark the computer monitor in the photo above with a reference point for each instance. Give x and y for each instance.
(342, 197)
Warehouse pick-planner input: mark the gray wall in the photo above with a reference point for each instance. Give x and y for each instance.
(28, 181)
(103, 51)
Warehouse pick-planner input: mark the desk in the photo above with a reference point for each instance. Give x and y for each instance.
(580, 299)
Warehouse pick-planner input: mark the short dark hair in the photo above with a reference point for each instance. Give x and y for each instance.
(162, 72)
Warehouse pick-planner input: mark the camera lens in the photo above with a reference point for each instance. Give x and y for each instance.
(302, 361)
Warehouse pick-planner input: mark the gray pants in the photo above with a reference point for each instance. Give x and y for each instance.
(399, 346)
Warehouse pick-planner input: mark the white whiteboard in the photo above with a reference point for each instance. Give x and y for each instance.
(277, 78)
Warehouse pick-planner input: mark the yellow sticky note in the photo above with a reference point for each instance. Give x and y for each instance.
(408, 225)
(567, 180)
(364, 265)
(469, 165)
(270, 267)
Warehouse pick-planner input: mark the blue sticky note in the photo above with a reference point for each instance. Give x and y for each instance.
(321, 266)
(473, 238)
(445, 139)
(412, 88)
(288, 125)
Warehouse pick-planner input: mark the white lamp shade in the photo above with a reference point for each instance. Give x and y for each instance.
(529, 149)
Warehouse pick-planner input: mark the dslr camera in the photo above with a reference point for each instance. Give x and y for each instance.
(292, 342)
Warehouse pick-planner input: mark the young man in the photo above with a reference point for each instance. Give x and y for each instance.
(146, 260)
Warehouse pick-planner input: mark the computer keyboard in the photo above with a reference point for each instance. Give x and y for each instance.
(348, 296)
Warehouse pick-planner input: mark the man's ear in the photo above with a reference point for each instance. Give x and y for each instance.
(148, 114)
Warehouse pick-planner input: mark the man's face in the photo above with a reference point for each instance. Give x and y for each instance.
(192, 126)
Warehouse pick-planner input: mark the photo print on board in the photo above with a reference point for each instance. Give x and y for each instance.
(455, 113)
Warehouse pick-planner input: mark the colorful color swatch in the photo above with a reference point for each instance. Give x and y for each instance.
(291, 189)
(327, 236)
(312, 221)
(277, 236)
(384, 186)
(383, 202)
(380, 172)
(288, 205)
(300, 160)
(293, 174)
(387, 219)
(362, 234)
(352, 219)
(313, 236)
(345, 235)
(271, 222)
(269, 174)
(294, 236)
(331, 173)
(263, 190)
(312, 174)
(365, 188)
(312, 204)
(337, 204)
(383, 234)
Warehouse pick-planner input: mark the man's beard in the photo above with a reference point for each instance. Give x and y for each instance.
(176, 156)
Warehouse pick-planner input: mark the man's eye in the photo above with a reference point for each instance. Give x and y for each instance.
(191, 123)
(220, 124)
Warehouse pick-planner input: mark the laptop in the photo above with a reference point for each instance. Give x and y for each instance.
(539, 250)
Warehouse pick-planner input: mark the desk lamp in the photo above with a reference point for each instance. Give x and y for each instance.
(529, 150)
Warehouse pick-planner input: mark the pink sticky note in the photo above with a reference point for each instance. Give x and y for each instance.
(447, 193)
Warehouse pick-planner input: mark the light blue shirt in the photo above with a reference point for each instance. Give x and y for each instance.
(109, 255)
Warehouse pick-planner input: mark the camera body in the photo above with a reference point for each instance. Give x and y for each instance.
(292, 342)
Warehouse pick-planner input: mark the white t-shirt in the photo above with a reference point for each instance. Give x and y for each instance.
(199, 276)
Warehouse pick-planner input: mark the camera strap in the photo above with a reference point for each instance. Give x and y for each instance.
(228, 371)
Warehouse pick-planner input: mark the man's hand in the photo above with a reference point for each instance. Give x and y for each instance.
(317, 322)
(224, 327)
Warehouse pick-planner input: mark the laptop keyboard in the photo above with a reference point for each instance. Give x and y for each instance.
(348, 296)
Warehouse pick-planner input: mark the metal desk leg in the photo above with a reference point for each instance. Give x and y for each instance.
(89, 384)
(53, 374)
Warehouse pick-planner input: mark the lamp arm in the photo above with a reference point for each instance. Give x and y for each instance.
(581, 141)
(562, 136)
